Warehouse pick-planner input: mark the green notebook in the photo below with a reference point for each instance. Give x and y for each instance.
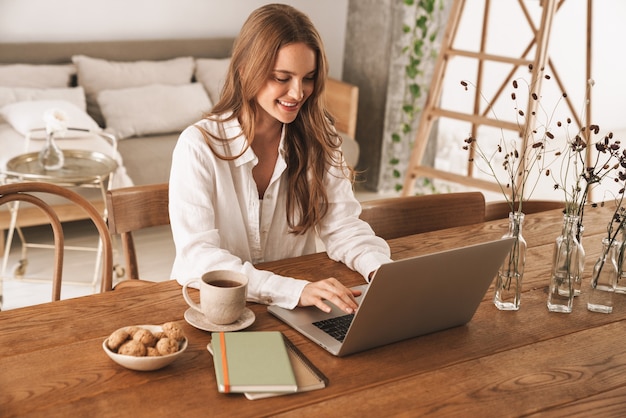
(253, 361)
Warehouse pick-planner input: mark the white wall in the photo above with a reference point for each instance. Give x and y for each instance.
(61, 20)
(508, 36)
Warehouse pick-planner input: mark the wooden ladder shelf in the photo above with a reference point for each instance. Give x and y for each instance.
(431, 111)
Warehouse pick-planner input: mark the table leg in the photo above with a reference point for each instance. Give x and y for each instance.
(105, 215)
(13, 207)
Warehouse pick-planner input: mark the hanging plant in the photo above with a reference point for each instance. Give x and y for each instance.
(420, 50)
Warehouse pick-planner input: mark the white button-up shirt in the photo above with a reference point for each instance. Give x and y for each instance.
(219, 223)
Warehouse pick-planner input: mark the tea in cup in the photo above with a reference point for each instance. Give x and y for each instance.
(222, 296)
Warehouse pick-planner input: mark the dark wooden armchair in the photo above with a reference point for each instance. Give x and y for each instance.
(501, 209)
(407, 215)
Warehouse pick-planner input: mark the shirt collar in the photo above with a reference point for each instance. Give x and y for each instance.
(231, 128)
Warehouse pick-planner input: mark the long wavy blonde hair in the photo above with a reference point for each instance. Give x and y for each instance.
(310, 140)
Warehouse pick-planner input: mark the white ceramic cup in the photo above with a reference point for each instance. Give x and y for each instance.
(222, 296)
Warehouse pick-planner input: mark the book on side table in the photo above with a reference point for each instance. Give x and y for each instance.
(262, 364)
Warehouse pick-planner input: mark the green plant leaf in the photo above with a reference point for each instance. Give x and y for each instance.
(417, 47)
(411, 72)
(416, 90)
(420, 35)
(428, 6)
(422, 23)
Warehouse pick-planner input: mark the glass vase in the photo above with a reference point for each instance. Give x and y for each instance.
(509, 280)
(604, 278)
(620, 286)
(578, 279)
(51, 156)
(565, 267)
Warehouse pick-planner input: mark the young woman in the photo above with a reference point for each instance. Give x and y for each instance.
(262, 174)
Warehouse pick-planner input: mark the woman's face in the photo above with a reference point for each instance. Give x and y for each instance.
(290, 83)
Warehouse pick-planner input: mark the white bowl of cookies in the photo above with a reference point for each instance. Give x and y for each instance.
(146, 347)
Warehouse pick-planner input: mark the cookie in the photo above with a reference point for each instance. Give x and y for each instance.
(117, 338)
(132, 348)
(167, 346)
(174, 331)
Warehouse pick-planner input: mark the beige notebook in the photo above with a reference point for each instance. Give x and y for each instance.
(308, 377)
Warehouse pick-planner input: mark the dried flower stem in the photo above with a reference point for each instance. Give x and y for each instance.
(518, 163)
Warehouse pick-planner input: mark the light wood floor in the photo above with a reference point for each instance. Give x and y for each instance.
(155, 253)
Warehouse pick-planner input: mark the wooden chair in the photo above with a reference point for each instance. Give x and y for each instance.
(407, 215)
(131, 209)
(14, 192)
(342, 100)
(501, 209)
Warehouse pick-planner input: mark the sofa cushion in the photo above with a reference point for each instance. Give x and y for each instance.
(28, 115)
(96, 75)
(36, 76)
(153, 109)
(212, 73)
(148, 159)
(75, 95)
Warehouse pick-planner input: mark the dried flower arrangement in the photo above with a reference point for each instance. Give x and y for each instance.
(518, 162)
(529, 157)
(587, 173)
(616, 227)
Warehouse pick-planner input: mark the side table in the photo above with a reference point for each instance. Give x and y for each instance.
(82, 168)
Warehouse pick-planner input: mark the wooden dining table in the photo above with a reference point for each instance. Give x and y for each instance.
(529, 362)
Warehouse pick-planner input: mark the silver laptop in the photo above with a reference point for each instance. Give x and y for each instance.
(406, 298)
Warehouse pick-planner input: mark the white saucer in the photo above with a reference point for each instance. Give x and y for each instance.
(196, 319)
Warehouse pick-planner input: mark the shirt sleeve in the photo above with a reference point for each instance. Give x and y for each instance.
(348, 238)
(192, 193)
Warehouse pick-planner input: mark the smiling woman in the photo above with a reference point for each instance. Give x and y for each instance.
(292, 82)
(263, 173)
(280, 100)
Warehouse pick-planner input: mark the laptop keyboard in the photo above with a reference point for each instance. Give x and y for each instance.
(336, 327)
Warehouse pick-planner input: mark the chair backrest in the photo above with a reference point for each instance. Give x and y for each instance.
(500, 209)
(342, 100)
(14, 192)
(407, 215)
(134, 208)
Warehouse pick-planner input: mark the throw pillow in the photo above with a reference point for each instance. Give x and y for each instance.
(96, 75)
(153, 109)
(212, 74)
(75, 95)
(36, 76)
(28, 115)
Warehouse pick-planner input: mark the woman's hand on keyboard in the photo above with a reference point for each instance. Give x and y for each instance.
(331, 290)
